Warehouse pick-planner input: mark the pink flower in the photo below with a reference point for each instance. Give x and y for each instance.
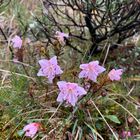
(126, 134)
(115, 74)
(17, 42)
(60, 36)
(91, 70)
(31, 129)
(49, 68)
(69, 92)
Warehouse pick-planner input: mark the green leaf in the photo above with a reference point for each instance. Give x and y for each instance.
(74, 127)
(113, 118)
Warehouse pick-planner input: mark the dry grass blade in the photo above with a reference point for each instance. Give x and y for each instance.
(104, 120)
(95, 132)
(134, 79)
(125, 110)
(18, 74)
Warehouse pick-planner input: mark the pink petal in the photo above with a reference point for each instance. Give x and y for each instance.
(92, 76)
(64, 35)
(94, 63)
(43, 63)
(60, 97)
(40, 73)
(83, 66)
(61, 84)
(129, 134)
(100, 69)
(81, 91)
(50, 78)
(120, 71)
(58, 70)
(17, 42)
(83, 74)
(72, 99)
(53, 60)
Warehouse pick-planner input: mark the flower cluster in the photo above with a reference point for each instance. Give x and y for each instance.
(70, 92)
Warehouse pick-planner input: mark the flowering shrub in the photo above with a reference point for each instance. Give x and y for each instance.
(71, 91)
(50, 88)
